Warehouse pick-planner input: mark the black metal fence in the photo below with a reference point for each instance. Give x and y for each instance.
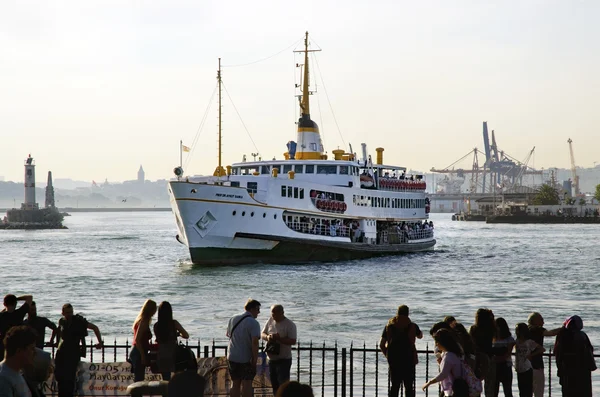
(332, 371)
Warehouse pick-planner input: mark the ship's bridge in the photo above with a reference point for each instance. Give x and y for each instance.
(328, 172)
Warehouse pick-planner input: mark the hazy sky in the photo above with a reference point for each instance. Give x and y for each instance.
(93, 89)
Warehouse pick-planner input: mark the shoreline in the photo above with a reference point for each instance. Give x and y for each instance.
(107, 209)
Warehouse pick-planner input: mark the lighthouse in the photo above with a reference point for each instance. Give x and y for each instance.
(30, 216)
(29, 203)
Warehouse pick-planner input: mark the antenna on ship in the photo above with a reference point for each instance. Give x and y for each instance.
(219, 171)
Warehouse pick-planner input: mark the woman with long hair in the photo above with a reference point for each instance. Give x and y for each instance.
(451, 365)
(483, 332)
(166, 331)
(141, 340)
(503, 346)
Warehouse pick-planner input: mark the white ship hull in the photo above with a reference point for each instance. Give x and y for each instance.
(226, 225)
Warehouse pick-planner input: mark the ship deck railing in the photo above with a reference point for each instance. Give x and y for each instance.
(319, 229)
(403, 236)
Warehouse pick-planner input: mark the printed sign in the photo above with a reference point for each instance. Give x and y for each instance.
(112, 379)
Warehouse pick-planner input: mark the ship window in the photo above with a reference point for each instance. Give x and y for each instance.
(313, 147)
(252, 187)
(264, 214)
(295, 192)
(283, 191)
(235, 184)
(264, 169)
(277, 167)
(275, 216)
(252, 214)
(326, 169)
(233, 213)
(235, 171)
(249, 170)
(287, 168)
(243, 213)
(343, 169)
(301, 193)
(289, 191)
(310, 168)
(298, 168)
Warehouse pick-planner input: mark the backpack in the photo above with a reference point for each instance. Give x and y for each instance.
(467, 385)
(401, 343)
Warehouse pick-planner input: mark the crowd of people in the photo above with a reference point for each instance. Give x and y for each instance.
(471, 363)
(480, 360)
(22, 343)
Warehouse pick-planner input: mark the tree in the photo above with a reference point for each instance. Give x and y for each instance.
(597, 195)
(546, 195)
(582, 201)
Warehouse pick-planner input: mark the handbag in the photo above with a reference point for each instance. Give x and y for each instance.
(273, 348)
(468, 384)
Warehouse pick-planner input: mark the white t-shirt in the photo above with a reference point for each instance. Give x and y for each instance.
(523, 349)
(286, 329)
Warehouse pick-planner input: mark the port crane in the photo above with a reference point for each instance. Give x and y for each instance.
(575, 189)
(497, 168)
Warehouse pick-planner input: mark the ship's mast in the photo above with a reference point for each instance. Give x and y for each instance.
(304, 105)
(219, 80)
(219, 171)
(310, 145)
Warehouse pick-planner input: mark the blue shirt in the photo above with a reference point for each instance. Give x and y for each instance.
(12, 383)
(240, 343)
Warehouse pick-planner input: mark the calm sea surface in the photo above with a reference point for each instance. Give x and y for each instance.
(107, 264)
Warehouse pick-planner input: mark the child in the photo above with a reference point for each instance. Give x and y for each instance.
(525, 348)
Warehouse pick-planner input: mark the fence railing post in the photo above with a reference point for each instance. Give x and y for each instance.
(298, 362)
(323, 371)
(343, 372)
(376, 370)
(550, 372)
(364, 383)
(427, 368)
(310, 363)
(351, 370)
(115, 350)
(335, 370)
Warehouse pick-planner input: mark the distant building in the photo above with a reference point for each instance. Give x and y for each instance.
(141, 175)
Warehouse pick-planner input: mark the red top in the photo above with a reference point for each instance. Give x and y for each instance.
(146, 338)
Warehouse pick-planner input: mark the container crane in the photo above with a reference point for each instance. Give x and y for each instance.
(575, 189)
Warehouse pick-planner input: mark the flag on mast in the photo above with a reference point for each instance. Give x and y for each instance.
(185, 148)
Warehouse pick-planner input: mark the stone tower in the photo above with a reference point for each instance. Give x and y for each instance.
(141, 175)
(50, 192)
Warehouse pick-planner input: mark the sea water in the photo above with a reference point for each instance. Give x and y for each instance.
(108, 264)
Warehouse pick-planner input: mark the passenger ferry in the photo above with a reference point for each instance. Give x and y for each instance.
(303, 208)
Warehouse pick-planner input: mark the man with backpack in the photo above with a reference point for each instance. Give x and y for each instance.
(72, 330)
(243, 332)
(398, 345)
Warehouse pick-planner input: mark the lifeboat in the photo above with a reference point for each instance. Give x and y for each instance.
(366, 180)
